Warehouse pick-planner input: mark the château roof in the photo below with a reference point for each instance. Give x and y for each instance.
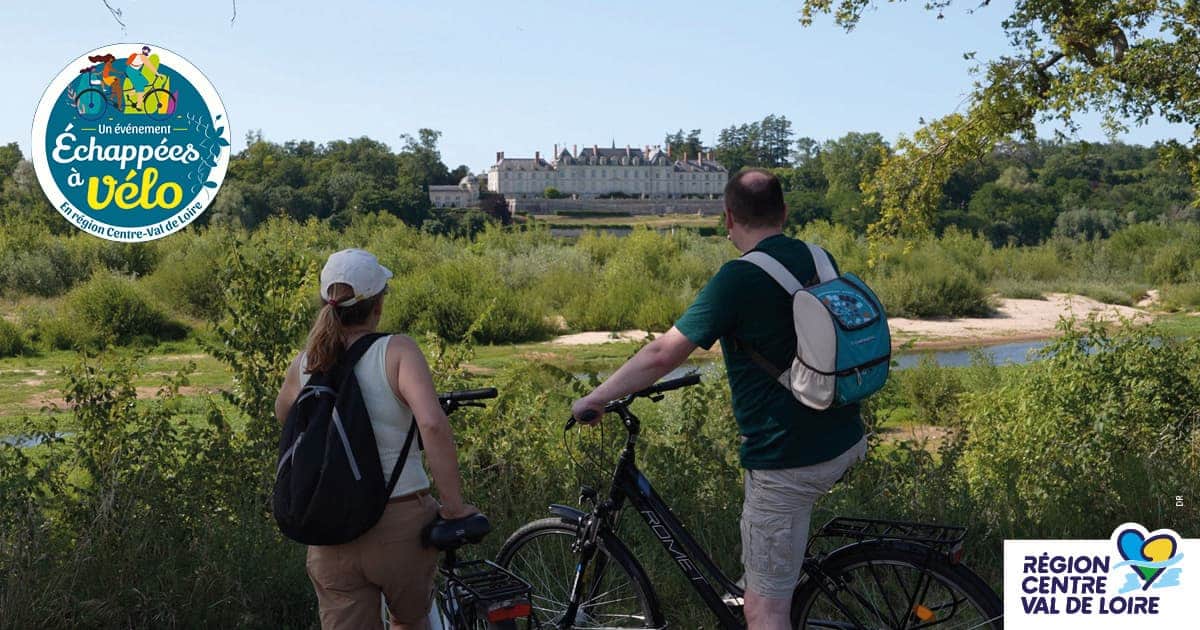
(627, 156)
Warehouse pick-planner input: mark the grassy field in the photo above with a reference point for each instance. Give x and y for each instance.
(29, 384)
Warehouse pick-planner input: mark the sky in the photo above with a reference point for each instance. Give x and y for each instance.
(520, 76)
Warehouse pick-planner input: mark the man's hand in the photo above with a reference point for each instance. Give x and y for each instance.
(586, 407)
(650, 363)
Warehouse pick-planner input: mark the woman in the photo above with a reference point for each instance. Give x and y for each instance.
(396, 385)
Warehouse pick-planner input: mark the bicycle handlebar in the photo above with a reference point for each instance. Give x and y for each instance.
(660, 387)
(468, 394)
(666, 386)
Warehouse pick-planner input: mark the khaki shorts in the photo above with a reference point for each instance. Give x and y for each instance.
(775, 515)
(388, 559)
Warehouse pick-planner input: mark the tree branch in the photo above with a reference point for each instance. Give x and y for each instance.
(1120, 43)
(116, 13)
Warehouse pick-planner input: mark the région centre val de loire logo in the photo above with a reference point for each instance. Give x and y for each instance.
(130, 142)
(1135, 579)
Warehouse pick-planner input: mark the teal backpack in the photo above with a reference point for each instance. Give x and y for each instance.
(843, 346)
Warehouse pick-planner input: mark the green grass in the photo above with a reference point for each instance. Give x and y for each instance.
(31, 382)
(1180, 324)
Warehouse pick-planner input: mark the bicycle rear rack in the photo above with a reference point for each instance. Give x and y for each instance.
(945, 537)
(483, 581)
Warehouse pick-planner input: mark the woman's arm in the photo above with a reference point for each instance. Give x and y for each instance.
(415, 384)
(289, 391)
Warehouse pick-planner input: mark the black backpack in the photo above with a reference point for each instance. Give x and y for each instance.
(329, 485)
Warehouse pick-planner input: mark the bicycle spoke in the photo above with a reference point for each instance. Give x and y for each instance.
(610, 598)
(867, 594)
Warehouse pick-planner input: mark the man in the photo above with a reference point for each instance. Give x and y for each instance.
(792, 454)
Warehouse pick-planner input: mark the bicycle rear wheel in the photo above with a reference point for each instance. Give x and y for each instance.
(91, 104)
(540, 553)
(898, 586)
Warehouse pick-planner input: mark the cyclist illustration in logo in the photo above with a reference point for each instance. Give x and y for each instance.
(135, 85)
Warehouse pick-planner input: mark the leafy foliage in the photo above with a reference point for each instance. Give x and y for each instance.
(1128, 60)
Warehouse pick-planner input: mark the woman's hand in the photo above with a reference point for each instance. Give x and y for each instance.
(461, 510)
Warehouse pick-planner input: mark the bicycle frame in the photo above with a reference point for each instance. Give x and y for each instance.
(628, 483)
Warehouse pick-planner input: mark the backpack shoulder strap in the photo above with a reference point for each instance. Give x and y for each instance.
(775, 269)
(402, 460)
(824, 265)
(784, 279)
(357, 349)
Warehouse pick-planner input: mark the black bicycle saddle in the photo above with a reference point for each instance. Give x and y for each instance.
(448, 535)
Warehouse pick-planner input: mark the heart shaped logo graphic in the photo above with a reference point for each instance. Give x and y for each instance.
(1136, 547)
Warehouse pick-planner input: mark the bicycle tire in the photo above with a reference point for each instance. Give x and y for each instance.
(861, 567)
(551, 578)
(93, 93)
(162, 100)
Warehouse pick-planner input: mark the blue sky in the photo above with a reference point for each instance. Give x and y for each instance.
(519, 77)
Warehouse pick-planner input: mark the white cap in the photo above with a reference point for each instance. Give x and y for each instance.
(358, 268)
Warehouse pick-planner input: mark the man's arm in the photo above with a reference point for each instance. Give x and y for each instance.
(641, 371)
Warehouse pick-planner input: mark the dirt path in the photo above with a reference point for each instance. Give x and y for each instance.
(1014, 320)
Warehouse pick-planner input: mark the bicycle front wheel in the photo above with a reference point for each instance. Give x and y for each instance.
(617, 594)
(897, 586)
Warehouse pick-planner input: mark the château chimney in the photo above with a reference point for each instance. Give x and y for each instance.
(575, 150)
(499, 155)
(555, 156)
(537, 158)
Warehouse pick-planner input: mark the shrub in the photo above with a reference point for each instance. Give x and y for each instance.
(113, 309)
(189, 274)
(1172, 263)
(12, 342)
(931, 391)
(1103, 428)
(934, 290)
(448, 298)
(1182, 296)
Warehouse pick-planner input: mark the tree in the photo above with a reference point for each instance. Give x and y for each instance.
(681, 145)
(775, 144)
(10, 157)
(421, 161)
(735, 147)
(1129, 60)
(851, 160)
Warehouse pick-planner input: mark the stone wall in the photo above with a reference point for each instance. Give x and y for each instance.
(618, 206)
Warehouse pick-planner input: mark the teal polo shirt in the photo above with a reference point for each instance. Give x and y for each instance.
(742, 301)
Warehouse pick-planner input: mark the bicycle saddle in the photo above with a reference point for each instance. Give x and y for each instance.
(447, 535)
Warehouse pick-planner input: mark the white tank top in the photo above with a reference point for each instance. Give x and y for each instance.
(390, 418)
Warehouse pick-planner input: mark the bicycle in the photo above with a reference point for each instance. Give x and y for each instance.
(590, 579)
(472, 594)
(93, 102)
